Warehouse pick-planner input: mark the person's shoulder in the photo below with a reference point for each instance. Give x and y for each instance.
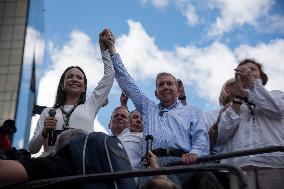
(274, 92)
(124, 133)
(277, 92)
(46, 110)
(194, 109)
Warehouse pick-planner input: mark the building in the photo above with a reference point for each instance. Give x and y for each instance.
(21, 52)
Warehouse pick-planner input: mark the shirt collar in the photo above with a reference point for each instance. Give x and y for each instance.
(161, 107)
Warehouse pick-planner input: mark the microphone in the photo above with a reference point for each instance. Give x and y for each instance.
(52, 112)
(51, 141)
(149, 143)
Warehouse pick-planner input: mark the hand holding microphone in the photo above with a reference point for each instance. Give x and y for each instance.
(49, 123)
(149, 143)
(153, 161)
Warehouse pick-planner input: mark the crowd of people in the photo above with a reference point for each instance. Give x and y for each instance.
(249, 117)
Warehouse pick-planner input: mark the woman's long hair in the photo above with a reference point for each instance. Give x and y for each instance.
(60, 94)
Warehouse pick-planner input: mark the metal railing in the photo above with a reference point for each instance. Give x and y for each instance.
(241, 153)
(137, 173)
(161, 171)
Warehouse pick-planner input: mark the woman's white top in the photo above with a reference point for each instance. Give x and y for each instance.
(243, 132)
(84, 114)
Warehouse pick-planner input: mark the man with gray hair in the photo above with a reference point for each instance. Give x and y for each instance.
(179, 131)
(132, 141)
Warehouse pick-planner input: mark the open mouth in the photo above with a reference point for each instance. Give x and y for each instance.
(74, 85)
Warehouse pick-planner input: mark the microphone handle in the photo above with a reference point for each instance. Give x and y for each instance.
(50, 137)
(52, 113)
(149, 148)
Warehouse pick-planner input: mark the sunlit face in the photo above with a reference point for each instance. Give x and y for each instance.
(74, 82)
(166, 90)
(254, 70)
(136, 124)
(119, 121)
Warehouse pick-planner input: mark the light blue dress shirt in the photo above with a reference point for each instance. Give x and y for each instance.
(180, 127)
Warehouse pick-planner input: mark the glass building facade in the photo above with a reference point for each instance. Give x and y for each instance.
(21, 51)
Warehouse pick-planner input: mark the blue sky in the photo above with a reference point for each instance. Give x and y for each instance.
(200, 42)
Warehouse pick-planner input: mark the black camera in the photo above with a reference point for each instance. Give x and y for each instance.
(53, 134)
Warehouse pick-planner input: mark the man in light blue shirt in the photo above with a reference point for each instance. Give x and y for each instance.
(178, 131)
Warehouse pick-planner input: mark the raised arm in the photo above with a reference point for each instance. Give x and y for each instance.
(229, 121)
(123, 100)
(270, 103)
(125, 81)
(250, 78)
(101, 92)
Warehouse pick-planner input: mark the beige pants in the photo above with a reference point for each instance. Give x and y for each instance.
(260, 178)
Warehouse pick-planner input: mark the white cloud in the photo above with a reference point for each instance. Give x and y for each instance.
(236, 13)
(160, 4)
(78, 51)
(34, 46)
(272, 24)
(184, 6)
(191, 64)
(271, 56)
(98, 127)
(188, 10)
(203, 68)
(232, 14)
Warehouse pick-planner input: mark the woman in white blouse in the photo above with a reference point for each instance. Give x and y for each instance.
(73, 110)
(212, 118)
(255, 120)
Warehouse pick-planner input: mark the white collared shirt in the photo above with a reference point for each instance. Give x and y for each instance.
(133, 144)
(243, 132)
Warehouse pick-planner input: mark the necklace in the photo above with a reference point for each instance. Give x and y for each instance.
(66, 116)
